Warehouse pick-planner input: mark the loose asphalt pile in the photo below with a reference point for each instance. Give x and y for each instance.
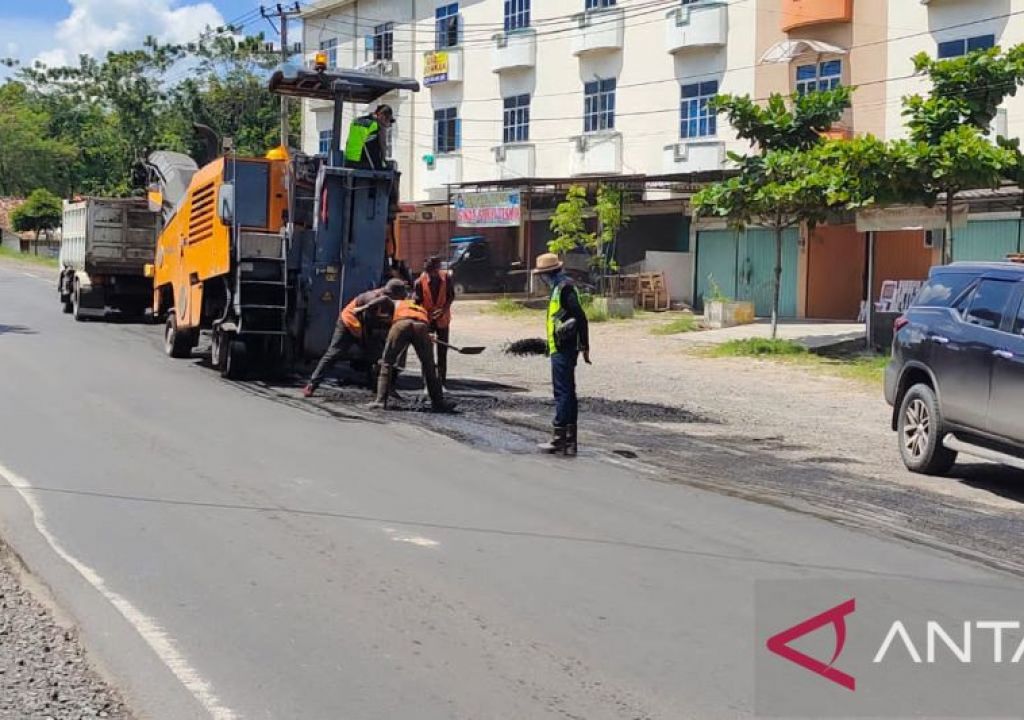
(43, 670)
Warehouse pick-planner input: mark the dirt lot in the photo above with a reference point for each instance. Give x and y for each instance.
(774, 432)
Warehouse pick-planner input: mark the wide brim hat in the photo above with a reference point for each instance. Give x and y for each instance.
(546, 263)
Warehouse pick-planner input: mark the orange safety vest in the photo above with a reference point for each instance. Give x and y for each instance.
(431, 303)
(408, 310)
(349, 317)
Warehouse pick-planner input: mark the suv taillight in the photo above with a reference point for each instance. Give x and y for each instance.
(901, 322)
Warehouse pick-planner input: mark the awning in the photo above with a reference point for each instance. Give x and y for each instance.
(908, 217)
(347, 85)
(786, 51)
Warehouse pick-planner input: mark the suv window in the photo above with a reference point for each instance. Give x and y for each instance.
(988, 302)
(942, 290)
(1018, 324)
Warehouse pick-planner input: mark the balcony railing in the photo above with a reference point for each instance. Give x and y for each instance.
(600, 30)
(516, 160)
(596, 154)
(802, 13)
(702, 24)
(514, 50)
(693, 156)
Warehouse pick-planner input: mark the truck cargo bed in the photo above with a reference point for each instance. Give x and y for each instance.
(108, 236)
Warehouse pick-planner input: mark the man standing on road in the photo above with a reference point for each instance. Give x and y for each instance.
(435, 292)
(568, 334)
(410, 325)
(365, 309)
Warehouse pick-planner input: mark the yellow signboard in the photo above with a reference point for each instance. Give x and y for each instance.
(435, 67)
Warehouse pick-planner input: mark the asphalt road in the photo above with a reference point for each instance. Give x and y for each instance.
(230, 556)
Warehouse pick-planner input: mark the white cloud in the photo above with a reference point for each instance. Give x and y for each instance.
(96, 27)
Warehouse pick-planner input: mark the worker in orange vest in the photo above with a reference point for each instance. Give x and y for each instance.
(350, 331)
(435, 292)
(410, 325)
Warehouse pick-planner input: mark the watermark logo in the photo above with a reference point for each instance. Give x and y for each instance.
(836, 617)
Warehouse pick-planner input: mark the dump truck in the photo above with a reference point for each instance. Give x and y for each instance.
(220, 262)
(105, 246)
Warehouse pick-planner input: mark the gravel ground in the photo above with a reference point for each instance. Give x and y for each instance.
(767, 431)
(44, 672)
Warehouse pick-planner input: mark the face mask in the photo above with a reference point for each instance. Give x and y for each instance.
(548, 279)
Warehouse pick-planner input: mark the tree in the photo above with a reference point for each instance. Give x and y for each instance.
(29, 157)
(949, 149)
(569, 225)
(41, 211)
(783, 185)
(611, 218)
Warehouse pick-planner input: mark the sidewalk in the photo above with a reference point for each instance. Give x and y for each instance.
(813, 334)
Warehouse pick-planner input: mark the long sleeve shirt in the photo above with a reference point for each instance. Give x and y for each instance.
(572, 309)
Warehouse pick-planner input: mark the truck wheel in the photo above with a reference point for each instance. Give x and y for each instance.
(234, 359)
(920, 430)
(459, 289)
(76, 303)
(67, 305)
(177, 344)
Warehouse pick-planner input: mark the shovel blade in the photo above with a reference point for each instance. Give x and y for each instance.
(475, 350)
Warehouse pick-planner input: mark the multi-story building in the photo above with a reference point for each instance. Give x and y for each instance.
(566, 88)
(619, 88)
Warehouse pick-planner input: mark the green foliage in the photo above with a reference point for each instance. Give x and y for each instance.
(784, 123)
(85, 128)
(25, 257)
(682, 324)
(42, 211)
(596, 314)
(611, 219)
(568, 223)
(758, 347)
(714, 293)
(508, 307)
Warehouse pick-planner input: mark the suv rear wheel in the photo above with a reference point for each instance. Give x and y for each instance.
(920, 429)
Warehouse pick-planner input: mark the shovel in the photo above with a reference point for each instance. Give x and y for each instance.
(475, 350)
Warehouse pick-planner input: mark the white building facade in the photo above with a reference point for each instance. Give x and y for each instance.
(566, 88)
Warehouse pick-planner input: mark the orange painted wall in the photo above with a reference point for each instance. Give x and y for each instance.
(900, 255)
(836, 263)
(801, 13)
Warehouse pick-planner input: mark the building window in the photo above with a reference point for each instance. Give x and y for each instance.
(331, 48)
(325, 142)
(446, 24)
(599, 105)
(517, 119)
(823, 76)
(597, 4)
(696, 118)
(962, 46)
(517, 14)
(383, 42)
(447, 130)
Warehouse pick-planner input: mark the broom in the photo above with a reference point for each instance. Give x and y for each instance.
(527, 346)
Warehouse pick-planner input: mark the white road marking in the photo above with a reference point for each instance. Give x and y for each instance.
(416, 540)
(147, 627)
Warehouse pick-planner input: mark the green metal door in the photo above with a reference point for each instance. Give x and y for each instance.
(716, 259)
(756, 271)
(986, 240)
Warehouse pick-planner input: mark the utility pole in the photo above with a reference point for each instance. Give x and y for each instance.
(282, 14)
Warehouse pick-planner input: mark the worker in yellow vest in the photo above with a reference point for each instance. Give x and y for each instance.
(410, 325)
(435, 292)
(568, 335)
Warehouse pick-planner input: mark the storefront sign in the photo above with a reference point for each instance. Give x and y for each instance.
(905, 217)
(435, 68)
(487, 209)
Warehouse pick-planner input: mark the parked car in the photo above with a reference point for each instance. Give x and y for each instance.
(956, 379)
(475, 268)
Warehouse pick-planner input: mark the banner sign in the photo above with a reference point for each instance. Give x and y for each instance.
(487, 209)
(435, 68)
(904, 217)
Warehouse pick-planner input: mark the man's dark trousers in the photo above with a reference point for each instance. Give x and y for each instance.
(341, 341)
(563, 380)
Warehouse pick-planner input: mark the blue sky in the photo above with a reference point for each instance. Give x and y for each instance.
(57, 31)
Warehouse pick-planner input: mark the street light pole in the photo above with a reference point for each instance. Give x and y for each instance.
(282, 15)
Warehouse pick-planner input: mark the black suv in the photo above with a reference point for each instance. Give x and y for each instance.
(956, 379)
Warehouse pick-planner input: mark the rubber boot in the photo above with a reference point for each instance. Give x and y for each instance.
(557, 442)
(308, 390)
(383, 390)
(570, 441)
(393, 389)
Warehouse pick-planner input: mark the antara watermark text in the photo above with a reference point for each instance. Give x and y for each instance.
(973, 641)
